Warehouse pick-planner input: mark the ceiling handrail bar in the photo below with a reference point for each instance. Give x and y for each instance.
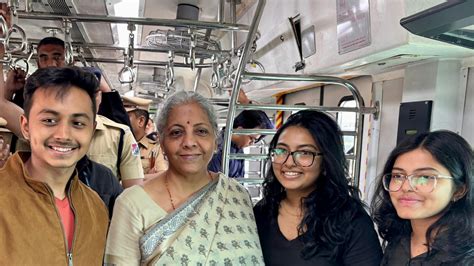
(246, 131)
(195, 24)
(278, 107)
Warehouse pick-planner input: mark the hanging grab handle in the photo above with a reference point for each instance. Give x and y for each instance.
(69, 54)
(11, 48)
(4, 27)
(126, 75)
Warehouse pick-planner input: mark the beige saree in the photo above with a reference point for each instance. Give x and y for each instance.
(215, 226)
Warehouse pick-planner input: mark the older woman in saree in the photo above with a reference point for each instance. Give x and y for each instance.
(185, 215)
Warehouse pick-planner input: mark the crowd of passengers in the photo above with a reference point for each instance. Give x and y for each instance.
(91, 182)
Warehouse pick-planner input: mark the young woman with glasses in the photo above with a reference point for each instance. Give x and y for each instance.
(423, 202)
(310, 214)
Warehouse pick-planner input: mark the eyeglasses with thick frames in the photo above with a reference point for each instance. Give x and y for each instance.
(301, 158)
(425, 183)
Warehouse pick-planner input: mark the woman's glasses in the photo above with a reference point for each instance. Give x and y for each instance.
(301, 158)
(425, 183)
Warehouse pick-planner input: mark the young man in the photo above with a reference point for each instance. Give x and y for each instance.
(49, 217)
(150, 152)
(247, 119)
(113, 144)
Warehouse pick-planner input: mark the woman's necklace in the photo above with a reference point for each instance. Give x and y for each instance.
(169, 192)
(285, 209)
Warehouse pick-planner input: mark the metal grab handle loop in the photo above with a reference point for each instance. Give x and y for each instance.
(131, 75)
(169, 71)
(226, 80)
(8, 60)
(69, 54)
(15, 64)
(9, 48)
(192, 50)
(215, 76)
(4, 27)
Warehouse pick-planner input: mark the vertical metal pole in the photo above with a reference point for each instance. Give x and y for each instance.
(220, 11)
(27, 5)
(233, 19)
(236, 87)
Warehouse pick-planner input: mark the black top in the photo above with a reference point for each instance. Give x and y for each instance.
(236, 166)
(101, 180)
(111, 107)
(362, 246)
(398, 253)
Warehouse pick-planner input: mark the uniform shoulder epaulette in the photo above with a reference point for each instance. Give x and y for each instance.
(110, 123)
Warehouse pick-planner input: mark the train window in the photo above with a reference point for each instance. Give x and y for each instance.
(347, 123)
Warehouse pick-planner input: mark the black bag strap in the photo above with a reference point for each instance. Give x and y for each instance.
(119, 153)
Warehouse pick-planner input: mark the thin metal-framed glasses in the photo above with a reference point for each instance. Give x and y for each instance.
(301, 158)
(425, 183)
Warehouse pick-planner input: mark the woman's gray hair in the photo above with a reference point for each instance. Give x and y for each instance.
(185, 97)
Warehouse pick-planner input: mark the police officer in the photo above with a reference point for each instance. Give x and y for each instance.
(150, 152)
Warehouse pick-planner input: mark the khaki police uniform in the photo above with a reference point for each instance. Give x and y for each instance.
(150, 151)
(152, 156)
(104, 149)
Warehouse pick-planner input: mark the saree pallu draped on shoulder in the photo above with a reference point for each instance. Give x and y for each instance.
(215, 226)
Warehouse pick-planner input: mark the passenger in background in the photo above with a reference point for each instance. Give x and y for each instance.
(423, 205)
(4, 142)
(150, 130)
(186, 215)
(49, 217)
(310, 214)
(151, 154)
(247, 119)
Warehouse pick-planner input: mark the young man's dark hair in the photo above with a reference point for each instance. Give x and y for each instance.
(51, 40)
(252, 119)
(60, 80)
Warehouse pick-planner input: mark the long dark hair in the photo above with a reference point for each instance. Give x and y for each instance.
(330, 208)
(454, 230)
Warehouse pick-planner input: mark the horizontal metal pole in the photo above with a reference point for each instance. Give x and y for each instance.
(293, 77)
(273, 131)
(250, 180)
(350, 157)
(250, 157)
(133, 20)
(254, 131)
(105, 46)
(219, 101)
(364, 110)
(143, 62)
(259, 157)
